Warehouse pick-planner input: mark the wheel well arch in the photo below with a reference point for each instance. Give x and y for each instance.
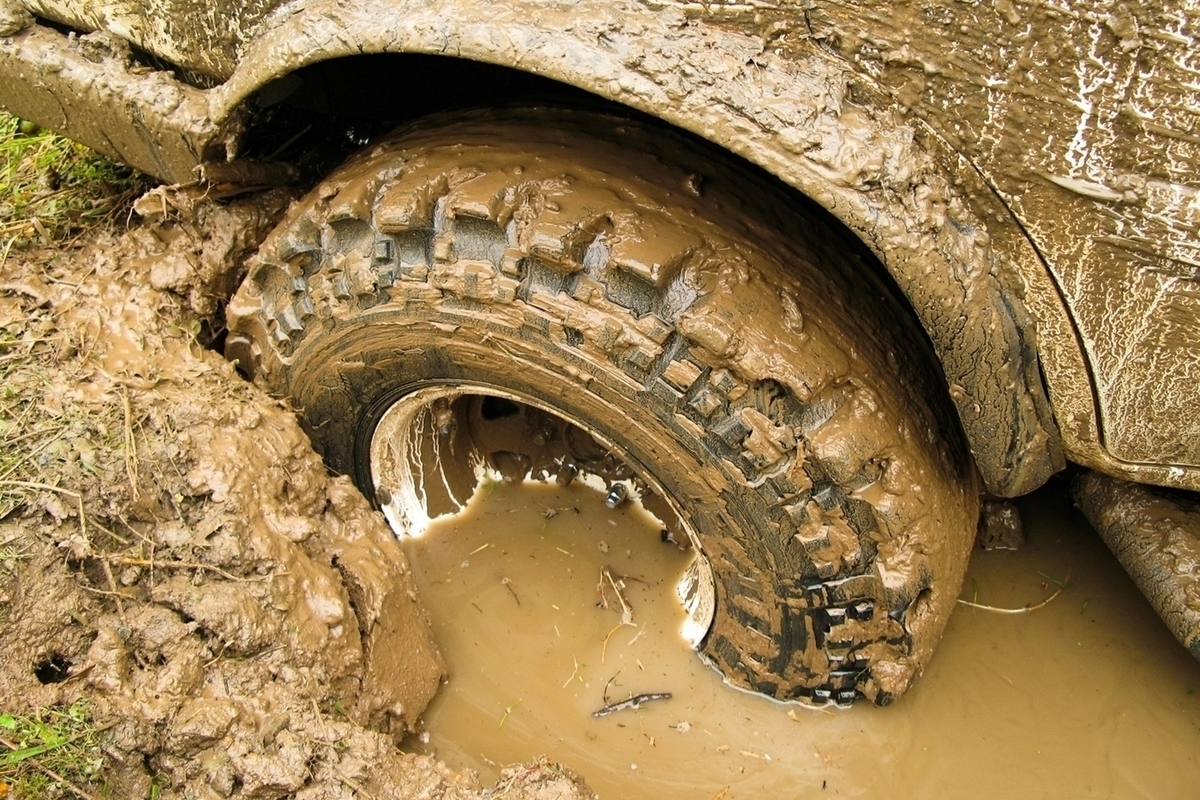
(807, 120)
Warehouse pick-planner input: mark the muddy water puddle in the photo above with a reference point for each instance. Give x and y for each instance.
(1086, 696)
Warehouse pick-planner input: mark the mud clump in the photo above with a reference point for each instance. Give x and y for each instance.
(174, 552)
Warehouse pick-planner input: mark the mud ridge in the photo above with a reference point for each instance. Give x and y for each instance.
(175, 553)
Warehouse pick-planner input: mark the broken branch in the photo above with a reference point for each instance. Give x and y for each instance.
(634, 703)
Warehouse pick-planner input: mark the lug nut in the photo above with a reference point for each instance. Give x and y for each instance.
(616, 495)
(566, 474)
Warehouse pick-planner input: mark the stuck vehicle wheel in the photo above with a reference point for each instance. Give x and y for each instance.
(553, 293)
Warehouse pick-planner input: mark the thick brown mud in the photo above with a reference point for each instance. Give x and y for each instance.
(171, 542)
(1086, 696)
(173, 553)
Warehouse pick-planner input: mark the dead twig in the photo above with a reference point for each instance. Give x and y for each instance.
(604, 694)
(131, 460)
(573, 674)
(45, 487)
(102, 592)
(509, 585)
(145, 562)
(112, 585)
(633, 703)
(1023, 609)
(617, 584)
(103, 529)
(511, 782)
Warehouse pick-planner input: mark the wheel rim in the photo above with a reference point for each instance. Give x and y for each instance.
(422, 441)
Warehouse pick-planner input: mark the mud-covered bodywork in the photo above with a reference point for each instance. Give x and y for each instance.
(1021, 169)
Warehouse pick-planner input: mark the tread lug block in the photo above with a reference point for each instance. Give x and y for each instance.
(862, 611)
(731, 430)
(816, 595)
(559, 224)
(385, 276)
(280, 338)
(654, 328)
(723, 381)
(823, 404)
(706, 402)
(588, 290)
(830, 544)
(384, 252)
(505, 290)
(339, 287)
(681, 374)
(304, 242)
(383, 262)
(649, 246)
(710, 331)
(414, 272)
(827, 495)
(481, 197)
(664, 393)
(299, 284)
(548, 242)
(290, 322)
(443, 249)
(853, 589)
(476, 280)
(550, 258)
(305, 309)
(641, 358)
(511, 262)
(354, 198)
(409, 203)
(767, 442)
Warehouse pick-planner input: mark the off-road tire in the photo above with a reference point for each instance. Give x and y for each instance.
(738, 348)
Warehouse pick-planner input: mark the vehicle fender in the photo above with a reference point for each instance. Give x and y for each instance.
(804, 116)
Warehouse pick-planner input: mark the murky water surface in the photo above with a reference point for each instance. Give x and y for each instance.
(1089, 696)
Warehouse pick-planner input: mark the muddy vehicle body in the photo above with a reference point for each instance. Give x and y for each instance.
(810, 278)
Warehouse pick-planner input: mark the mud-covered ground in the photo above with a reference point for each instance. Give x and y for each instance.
(240, 622)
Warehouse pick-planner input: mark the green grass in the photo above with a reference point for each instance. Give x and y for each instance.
(52, 753)
(52, 188)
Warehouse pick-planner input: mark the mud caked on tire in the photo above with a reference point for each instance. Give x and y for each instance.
(737, 354)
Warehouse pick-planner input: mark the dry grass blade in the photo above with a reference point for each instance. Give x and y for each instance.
(1026, 609)
(45, 487)
(131, 461)
(1021, 610)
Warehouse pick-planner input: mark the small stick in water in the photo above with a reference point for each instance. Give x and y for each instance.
(634, 703)
(508, 584)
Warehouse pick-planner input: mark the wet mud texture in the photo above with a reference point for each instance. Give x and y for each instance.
(730, 349)
(794, 110)
(1156, 535)
(179, 555)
